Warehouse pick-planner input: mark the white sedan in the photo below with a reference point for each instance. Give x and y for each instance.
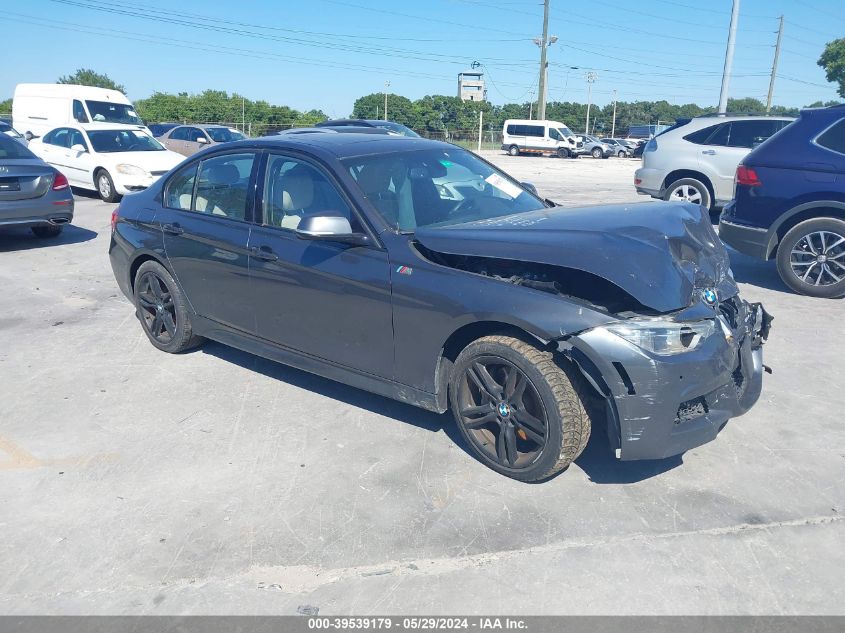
(111, 159)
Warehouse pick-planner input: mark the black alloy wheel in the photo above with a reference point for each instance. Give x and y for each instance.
(157, 309)
(518, 409)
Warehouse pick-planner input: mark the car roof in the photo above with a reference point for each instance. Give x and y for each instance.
(346, 145)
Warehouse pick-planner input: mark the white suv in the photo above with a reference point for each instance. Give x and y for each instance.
(696, 160)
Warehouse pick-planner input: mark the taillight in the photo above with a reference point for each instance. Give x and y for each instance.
(747, 176)
(60, 182)
(114, 216)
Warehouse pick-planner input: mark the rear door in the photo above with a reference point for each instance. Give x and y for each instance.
(325, 299)
(205, 218)
(175, 140)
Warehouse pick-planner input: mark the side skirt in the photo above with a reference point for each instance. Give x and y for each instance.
(314, 365)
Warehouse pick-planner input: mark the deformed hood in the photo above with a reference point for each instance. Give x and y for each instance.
(663, 254)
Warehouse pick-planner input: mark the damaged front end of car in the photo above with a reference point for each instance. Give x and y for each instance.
(680, 352)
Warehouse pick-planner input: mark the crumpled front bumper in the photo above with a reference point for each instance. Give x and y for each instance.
(664, 405)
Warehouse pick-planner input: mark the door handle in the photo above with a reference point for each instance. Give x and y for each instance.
(709, 152)
(264, 253)
(173, 229)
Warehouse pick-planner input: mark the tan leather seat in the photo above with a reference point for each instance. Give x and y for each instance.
(296, 191)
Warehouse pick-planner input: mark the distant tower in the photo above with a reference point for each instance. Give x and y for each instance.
(471, 86)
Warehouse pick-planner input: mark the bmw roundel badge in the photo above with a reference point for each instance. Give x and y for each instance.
(710, 297)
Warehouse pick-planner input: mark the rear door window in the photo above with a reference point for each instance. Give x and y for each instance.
(180, 189)
(700, 137)
(535, 130)
(834, 138)
(223, 186)
(749, 134)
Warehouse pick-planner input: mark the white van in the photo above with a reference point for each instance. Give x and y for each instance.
(524, 136)
(39, 108)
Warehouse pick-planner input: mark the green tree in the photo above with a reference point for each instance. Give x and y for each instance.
(6, 106)
(88, 77)
(833, 62)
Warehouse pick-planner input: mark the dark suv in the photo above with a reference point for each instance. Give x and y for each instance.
(790, 203)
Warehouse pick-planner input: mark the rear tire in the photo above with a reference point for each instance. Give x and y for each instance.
(689, 190)
(520, 412)
(513, 150)
(47, 230)
(163, 310)
(811, 256)
(105, 186)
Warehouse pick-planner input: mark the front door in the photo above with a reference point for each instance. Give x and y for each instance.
(205, 221)
(325, 299)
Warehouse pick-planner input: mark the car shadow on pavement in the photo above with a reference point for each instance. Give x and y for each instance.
(353, 396)
(601, 466)
(749, 270)
(597, 460)
(22, 239)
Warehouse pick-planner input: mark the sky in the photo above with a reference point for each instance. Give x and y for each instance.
(323, 54)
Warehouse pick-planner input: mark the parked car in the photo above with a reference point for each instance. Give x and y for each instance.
(341, 129)
(189, 139)
(618, 146)
(39, 108)
(9, 131)
(638, 151)
(353, 259)
(695, 160)
(112, 160)
(158, 129)
(526, 136)
(32, 193)
(391, 126)
(790, 203)
(595, 147)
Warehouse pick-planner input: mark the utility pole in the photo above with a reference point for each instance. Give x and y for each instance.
(544, 44)
(591, 78)
(774, 67)
(243, 114)
(386, 86)
(729, 59)
(480, 119)
(613, 127)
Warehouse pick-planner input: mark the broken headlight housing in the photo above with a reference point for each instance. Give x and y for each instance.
(663, 336)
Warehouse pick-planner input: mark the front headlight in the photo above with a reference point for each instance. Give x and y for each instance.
(131, 170)
(662, 336)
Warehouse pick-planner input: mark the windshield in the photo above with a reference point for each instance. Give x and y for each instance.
(565, 131)
(113, 112)
(10, 148)
(224, 134)
(397, 128)
(110, 141)
(437, 187)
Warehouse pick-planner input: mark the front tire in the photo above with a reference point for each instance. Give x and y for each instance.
(811, 258)
(105, 187)
(163, 310)
(47, 230)
(689, 190)
(518, 410)
(621, 154)
(513, 150)
(597, 153)
(563, 152)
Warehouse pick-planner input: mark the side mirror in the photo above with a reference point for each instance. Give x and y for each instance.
(29, 135)
(202, 140)
(78, 148)
(530, 187)
(330, 228)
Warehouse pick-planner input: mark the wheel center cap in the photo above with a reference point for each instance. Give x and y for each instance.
(504, 409)
(821, 259)
(160, 307)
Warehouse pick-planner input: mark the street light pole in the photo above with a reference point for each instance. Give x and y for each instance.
(590, 77)
(729, 59)
(613, 127)
(386, 86)
(774, 68)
